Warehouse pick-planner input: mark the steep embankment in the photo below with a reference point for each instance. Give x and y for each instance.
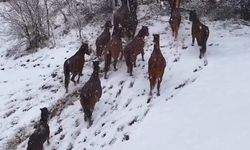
(199, 107)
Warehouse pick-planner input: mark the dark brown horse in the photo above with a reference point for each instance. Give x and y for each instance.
(125, 19)
(156, 66)
(133, 18)
(103, 39)
(133, 4)
(75, 65)
(175, 21)
(91, 93)
(41, 134)
(134, 48)
(174, 3)
(121, 16)
(200, 32)
(113, 50)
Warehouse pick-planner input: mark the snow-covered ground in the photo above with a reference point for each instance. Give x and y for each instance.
(200, 107)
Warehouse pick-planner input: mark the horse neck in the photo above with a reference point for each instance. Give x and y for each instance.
(157, 47)
(44, 120)
(82, 54)
(196, 21)
(124, 4)
(177, 3)
(140, 35)
(106, 30)
(95, 74)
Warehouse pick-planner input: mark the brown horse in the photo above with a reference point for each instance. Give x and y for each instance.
(156, 65)
(91, 93)
(175, 21)
(75, 65)
(113, 50)
(200, 32)
(134, 48)
(41, 134)
(103, 39)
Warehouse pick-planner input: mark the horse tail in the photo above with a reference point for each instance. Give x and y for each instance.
(66, 75)
(206, 33)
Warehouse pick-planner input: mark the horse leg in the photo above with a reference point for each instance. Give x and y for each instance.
(202, 50)
(193, 38)
(152, 81)
(80, 74)
(158, 86)
(121, 56)
(114, 64)
(66, 75)
(142, 55)
(78, 80)
(73, 78)
(107, 64)
(176, 32)
(131, 70)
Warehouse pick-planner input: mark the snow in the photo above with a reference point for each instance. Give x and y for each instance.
(200, 107)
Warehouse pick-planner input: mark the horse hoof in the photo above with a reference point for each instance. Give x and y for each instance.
(158, 94)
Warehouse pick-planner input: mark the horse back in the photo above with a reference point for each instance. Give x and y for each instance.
(75, 62)
(157, 61)
(91, 92)
(40, 135)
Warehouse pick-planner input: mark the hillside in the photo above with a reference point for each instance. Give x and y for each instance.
(200, 107)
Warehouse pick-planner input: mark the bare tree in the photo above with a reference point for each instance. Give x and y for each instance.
(28, 19)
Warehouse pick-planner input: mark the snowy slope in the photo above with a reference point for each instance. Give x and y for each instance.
(200, 107)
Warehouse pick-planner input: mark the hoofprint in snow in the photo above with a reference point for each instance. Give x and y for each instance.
(199, 107)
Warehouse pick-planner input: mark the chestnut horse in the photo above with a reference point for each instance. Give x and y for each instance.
(175, 21)
(200, 32)
(41, 134)
(103, 39)
(91, 93)
(75, 65)
(113, 50)
(156, 65)
(134, 48)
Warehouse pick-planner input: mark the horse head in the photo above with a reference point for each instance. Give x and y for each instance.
(144, 31)
(96, 66)
(85, 49)
(108, 24)
(156, 38)
(192, 15)
(44, 113)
